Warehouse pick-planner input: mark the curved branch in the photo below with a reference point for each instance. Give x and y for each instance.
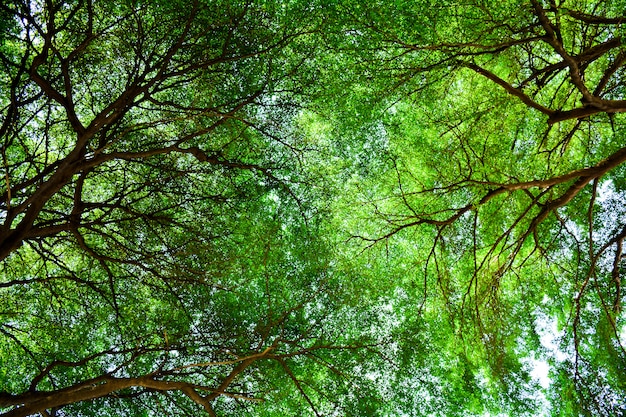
(509, 88)
(595, 20)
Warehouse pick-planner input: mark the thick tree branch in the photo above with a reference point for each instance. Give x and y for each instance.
(508, 87)
(595, 20)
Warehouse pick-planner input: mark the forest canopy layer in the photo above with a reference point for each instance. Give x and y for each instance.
(242, 208)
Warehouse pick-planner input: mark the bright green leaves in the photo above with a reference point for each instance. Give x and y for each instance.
(478, 200)
(306, 208)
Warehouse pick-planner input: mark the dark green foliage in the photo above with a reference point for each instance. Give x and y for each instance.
(312, 208)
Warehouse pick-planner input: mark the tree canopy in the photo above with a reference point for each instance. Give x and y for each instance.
(237, 208)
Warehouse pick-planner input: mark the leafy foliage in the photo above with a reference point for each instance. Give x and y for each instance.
(316, 208)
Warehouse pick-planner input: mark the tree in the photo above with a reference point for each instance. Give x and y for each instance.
(505, 166)
(155, 259)
(283, 208)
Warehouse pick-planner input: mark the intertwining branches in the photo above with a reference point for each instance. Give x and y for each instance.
(158, 245)
(549, 58)
(139, 146)
(564, 63)
(200, 366)
(505, 198)
(108, 385)
(158, 104)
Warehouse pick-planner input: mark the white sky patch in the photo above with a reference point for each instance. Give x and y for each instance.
(548, 331)
(540, 372)
(537, 363)
(605, 191)
(272, 195)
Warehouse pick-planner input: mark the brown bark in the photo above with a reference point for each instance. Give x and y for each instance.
(596, 20)
(33, 402)
(37, 402)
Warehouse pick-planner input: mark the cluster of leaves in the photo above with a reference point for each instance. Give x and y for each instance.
(504, 168)
(280, 208)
